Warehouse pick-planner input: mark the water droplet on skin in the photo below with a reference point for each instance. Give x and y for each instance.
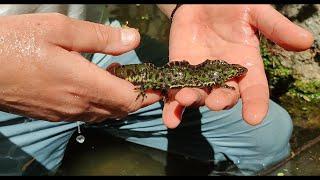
(248, 64)
(80, 139)
(23, 45)
(246, 31)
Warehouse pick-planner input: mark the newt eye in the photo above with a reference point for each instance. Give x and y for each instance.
(112, 68)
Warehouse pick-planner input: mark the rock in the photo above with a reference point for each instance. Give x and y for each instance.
(294, 77)
(305, 65)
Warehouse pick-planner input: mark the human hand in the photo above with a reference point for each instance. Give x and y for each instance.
(43, 76)
(228, 32)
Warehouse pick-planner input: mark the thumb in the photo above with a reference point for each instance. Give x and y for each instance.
(84, 36)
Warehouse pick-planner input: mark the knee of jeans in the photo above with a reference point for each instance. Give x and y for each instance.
(275, 135)
(271, 141)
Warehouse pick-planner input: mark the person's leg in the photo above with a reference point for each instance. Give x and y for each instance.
(29, 146)
(212, 136)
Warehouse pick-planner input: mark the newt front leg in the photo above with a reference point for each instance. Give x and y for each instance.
(141, 90)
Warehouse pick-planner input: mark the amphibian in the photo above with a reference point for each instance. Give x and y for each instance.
(177, 74)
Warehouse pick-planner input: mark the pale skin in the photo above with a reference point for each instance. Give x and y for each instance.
(43, 75)
(228, 32)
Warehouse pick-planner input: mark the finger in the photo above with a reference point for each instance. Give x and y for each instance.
(108, 91)
(124, 93)
(191, 97)
(279, 29)
(76, 53)
(152, 97)
(254, 91)
(144, 102)
(84, 36)
(223, 98)
(172, 114)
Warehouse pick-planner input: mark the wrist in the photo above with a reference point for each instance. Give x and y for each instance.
(184, 11)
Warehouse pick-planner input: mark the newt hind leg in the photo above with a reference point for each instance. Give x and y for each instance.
(164, 94)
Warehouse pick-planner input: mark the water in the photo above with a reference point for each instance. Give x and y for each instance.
(102, 154)
(306, 164)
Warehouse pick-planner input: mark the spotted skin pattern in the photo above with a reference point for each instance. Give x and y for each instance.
(178, 74)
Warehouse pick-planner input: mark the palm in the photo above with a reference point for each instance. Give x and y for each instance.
(226, 32)
(212, 34)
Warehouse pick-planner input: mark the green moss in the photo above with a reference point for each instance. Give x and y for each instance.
(305, 113)
(281, 80)
(315, 97)
(310, 87)
(309, 91)
(276, 72)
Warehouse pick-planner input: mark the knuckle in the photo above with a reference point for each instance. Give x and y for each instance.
(102, 35)
(59, 17)
(58, 24)
(72, 111)
(76, 108)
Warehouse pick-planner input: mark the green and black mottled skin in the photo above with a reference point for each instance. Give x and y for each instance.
(178, 74)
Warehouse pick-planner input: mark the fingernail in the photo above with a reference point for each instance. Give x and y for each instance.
(127, 36)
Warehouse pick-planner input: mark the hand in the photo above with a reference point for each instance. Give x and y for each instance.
(43, 76)
(228, 32)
